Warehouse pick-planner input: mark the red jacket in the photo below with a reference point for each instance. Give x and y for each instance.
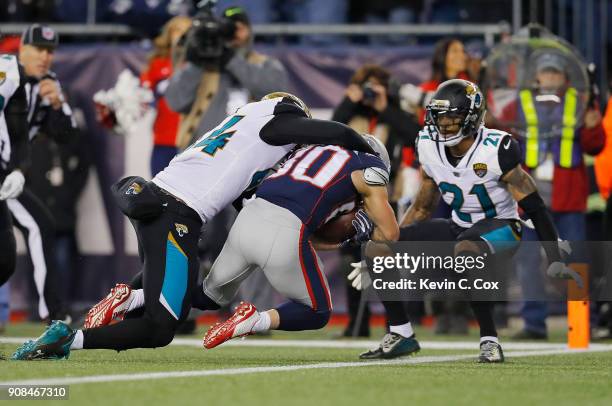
(167, 121)
(570, 186)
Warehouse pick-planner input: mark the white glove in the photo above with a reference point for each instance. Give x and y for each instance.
(359, 277)
(413, 97)
(561, 271)
(12, 185)
(565, 247)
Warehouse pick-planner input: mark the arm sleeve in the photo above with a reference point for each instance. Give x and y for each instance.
(80, 152)
(592, 140)
(259, 79)
(182, 86)
(16, 116)
(508, 154)
(286, 129)
(534, 207)
(345, 111)
(59, 124)
(401, 123)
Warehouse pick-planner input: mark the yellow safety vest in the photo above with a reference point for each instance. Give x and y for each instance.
(567, 134)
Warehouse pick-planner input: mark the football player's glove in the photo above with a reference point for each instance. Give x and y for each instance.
(359, 277)
(363, 227)
(561, 271)
(12, 185)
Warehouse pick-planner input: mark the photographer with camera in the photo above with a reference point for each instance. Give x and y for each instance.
(371, 105)
(221, 73)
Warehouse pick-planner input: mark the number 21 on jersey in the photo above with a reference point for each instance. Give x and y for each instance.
(458, 200)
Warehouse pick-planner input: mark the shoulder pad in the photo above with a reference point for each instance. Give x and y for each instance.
(9, 65)
(375, 176)
(9, 75)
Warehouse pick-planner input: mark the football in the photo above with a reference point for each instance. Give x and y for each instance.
(338, 229)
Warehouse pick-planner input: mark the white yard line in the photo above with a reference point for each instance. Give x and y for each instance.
(269, 369)
(354, 344)
(360, 344)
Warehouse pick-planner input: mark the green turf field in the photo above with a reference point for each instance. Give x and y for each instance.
(236, 377)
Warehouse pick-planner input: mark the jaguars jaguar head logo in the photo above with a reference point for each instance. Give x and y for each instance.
(474, 94)
(181, 229)
(134, 189)
(480, 169)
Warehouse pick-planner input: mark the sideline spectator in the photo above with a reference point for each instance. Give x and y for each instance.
(155, 77)
(556, 163)
(208, 87)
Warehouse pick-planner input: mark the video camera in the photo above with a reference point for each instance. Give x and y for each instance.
(207, 38)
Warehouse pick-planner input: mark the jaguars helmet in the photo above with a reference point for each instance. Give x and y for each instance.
(462, 102)
(293, 98)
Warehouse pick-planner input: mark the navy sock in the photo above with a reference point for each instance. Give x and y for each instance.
(295, 316)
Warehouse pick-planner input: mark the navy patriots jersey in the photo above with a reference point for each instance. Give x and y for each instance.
(315, 183)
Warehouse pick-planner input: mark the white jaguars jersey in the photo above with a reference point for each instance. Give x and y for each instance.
(472, 188)
(221, 164)
(9, 82)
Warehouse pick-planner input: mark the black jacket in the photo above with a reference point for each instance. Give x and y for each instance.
(403, 127)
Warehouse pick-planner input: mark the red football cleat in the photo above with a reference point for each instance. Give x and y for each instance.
(240, 324)
(112, 307)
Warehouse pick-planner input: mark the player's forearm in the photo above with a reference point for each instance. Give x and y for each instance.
(424, 204)
(415, 214)
(536, 210)
(524, 191)
(379, 235)
(388, 231)
(292, 129)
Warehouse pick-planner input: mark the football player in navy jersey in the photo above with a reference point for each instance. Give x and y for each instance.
(477, 171)
(273, 232)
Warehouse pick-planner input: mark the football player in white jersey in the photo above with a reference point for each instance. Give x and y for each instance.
(478, 172)
(13, 153)
(169, 211)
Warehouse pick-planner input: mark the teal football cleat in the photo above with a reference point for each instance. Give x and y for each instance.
(490, 351)
(54, 343)
(393, 345)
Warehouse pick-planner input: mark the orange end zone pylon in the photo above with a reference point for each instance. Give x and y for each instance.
(578, 334)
